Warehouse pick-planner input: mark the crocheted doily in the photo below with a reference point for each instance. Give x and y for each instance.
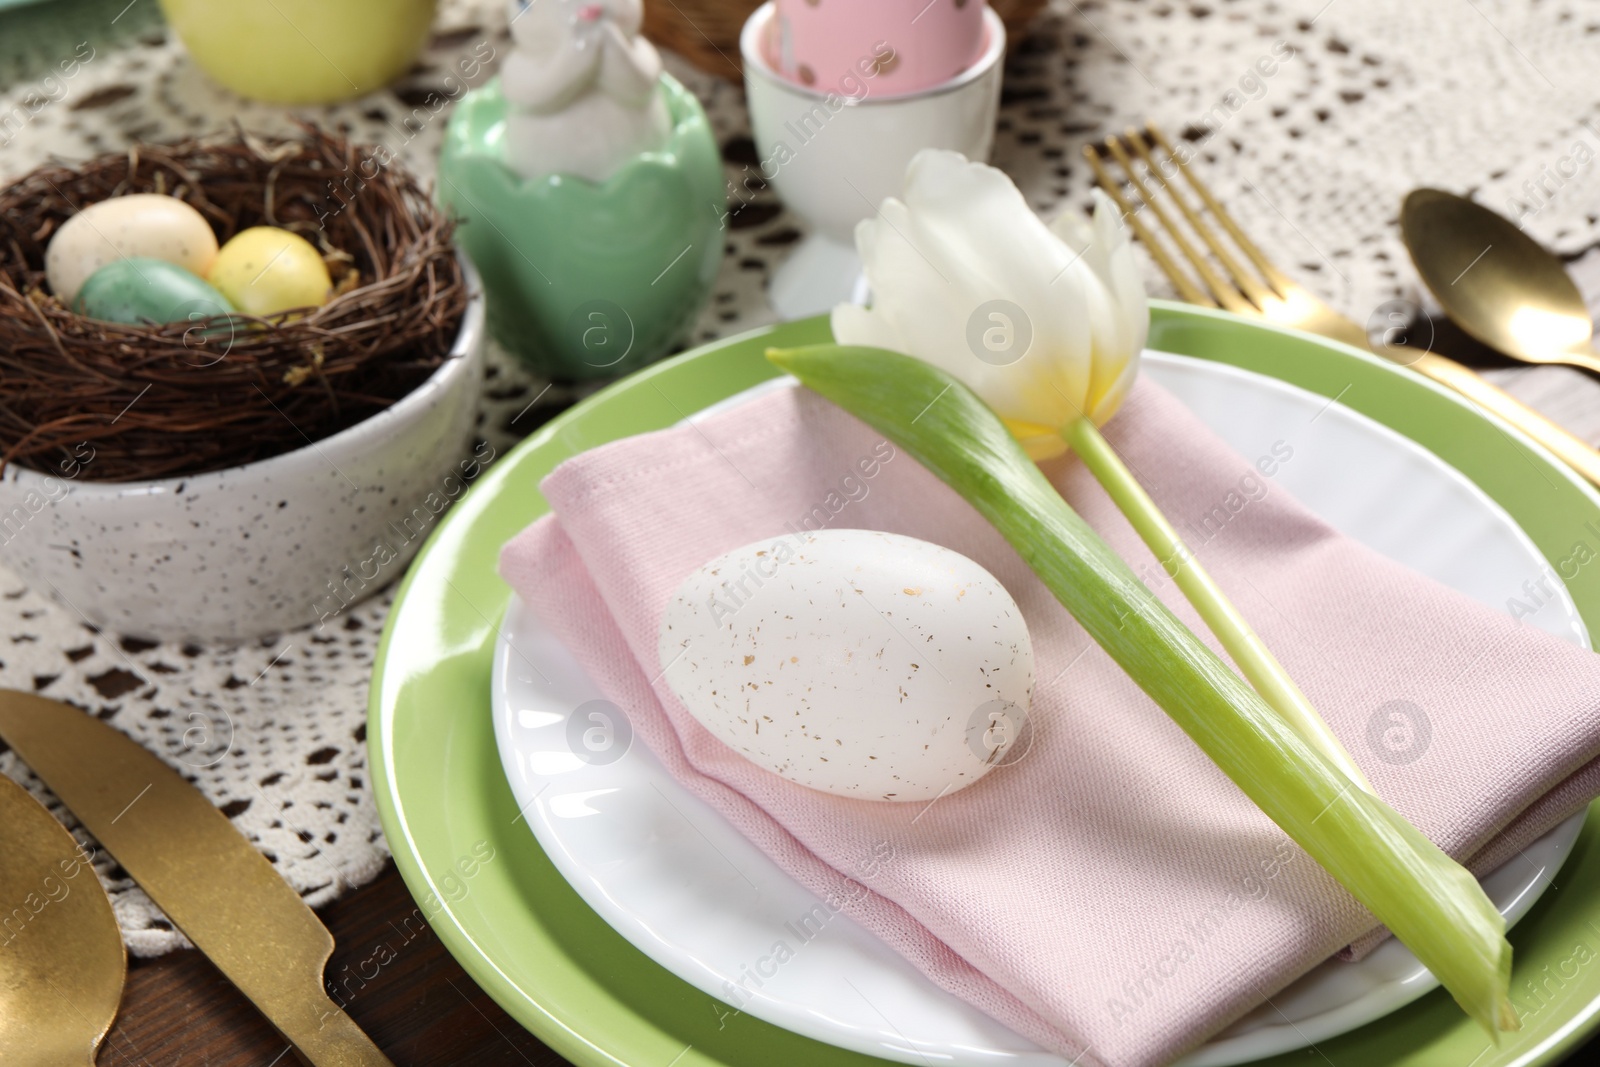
(1366, 99)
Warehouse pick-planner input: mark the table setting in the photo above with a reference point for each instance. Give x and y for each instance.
(721, 533)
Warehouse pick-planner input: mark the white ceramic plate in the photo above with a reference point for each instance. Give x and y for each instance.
(669, 874)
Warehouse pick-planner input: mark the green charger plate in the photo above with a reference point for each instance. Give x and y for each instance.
(526, 937)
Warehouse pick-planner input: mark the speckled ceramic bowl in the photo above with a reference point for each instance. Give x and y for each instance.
(261, 548)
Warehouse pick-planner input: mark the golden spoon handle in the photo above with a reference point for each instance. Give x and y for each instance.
(1573, 450)
(1586, 358)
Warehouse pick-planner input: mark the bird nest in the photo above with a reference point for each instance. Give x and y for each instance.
(188, 397)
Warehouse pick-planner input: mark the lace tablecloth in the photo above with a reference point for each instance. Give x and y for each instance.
(1368, 98)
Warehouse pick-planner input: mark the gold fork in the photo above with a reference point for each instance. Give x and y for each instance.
(1260, 290)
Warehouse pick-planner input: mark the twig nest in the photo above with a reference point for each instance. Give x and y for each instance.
(208, 392)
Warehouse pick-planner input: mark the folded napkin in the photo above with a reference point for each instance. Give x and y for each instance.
(1110, 895)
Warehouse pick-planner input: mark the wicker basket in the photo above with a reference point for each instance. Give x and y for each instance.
(706, 32)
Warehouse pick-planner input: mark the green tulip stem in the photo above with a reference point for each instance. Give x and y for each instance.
(1254, 660)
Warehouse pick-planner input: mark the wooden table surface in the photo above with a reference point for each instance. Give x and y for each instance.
(421, 1008)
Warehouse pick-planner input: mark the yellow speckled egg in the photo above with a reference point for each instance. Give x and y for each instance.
(265, 270)
(140, 224)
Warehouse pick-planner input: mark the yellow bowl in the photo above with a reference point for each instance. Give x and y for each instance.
(302, 51)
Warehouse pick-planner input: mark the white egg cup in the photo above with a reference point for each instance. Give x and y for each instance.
(833, 158)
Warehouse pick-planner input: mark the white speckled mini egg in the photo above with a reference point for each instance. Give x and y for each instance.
(860, 663)
(139, 224)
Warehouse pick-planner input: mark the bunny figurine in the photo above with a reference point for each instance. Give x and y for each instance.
(583, 88)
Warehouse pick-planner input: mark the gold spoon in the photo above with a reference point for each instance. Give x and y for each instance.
(1496, 282)
(62, 964)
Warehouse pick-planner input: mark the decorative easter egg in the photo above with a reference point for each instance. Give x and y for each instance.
(265, 270)
(859, 663)
(876, 49)
(309, 51)
(139, 224)
(144, 290)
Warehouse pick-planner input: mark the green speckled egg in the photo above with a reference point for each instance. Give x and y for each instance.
(140, 290)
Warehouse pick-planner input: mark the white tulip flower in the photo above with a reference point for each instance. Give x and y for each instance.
(1044, 323)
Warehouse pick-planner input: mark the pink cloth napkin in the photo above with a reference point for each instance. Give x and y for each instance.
(1111, 895)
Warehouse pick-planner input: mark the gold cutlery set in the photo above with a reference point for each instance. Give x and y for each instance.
(1493, 280)
(62, 963)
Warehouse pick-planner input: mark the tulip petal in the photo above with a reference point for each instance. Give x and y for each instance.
(911, 280)
(962, 238)
(1121, 273)
(1115, 393)
(991, 246)
(1121, 321)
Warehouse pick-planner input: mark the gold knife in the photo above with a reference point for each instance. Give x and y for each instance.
(197, 867)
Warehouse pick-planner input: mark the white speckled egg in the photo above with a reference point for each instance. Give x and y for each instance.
(860, 663)
(139, 224)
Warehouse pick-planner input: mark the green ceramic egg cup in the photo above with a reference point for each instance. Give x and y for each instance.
(587, 280)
